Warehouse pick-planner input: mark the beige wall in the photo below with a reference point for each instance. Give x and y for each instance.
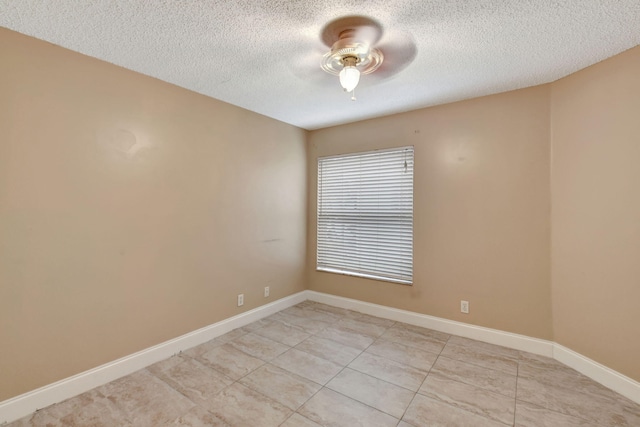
(131, 212)
(481, 209)
(596, 212)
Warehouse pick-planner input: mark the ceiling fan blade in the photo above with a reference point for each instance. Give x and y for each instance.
(399, 52)
(369, 34)
(307, 67)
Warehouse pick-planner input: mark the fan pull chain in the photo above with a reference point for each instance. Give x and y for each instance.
(353, 94)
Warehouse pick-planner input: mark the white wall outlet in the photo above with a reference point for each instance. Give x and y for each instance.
(240, 300)
(266, 291)
(464, 307)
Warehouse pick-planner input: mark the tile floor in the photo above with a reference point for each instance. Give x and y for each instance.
(317, 365)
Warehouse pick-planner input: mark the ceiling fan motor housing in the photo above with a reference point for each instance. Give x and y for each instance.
(349, 51)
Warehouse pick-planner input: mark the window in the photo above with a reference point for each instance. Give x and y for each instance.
(365, 214)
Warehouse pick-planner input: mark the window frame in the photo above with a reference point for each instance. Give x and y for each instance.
(400, 223)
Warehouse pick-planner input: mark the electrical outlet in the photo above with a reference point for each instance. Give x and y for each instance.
(266, 291)
(240, 300)
(464, 307)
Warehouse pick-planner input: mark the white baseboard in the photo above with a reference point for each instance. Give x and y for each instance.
(27, 403)
(598, 372)
(493, 336)
(594, 370)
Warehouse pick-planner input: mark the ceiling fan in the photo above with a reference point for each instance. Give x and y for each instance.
(355, 50)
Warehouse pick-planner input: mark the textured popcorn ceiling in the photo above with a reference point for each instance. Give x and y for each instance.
(264, 55)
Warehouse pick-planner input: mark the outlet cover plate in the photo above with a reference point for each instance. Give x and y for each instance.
(464, 307)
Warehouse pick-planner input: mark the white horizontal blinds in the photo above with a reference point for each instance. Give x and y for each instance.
(365, 214)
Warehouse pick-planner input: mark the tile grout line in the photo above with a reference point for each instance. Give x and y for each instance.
(383, 357)
(322, 386)
(376, 339)
(234, 381)
(237, 381)
(425, 378)
(347, 366)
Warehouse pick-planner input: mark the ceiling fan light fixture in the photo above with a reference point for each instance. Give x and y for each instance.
(349, 75)
(349, 58)
(349, 78)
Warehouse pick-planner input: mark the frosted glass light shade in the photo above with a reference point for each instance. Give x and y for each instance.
(349, 78)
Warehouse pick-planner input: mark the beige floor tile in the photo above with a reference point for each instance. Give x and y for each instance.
(230, 361)
(469, 398)
(307, 366)
(368, 379)
(533, 365)
(286, 334)
(485, 378)
(489, 348)
(482, 354)
(232, 335)
(579, 403)
(528, 415)
(369, 329)
(385, 323)
(384, 396)
(297, 420)
(146, 400)
(306, 303)
(335, 311)
(253, 326)
(554, 373)
(238, 405)
(424, 411)
(280, 385)
(191, 378)
(346, 337)
(311, 314)
(329, 350)
(87, 409)
(39, 419)
(259, 346)
(199, 417)
(331, 409)
(411, 356)
(629, 407)
(310, 326)
(389, 370)
(91, 407)
(537, 359)
(424, 332)
(201, 349)
(413, 339)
